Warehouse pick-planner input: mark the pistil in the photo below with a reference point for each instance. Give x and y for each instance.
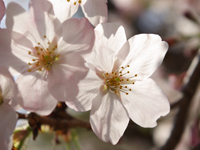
(43, 57)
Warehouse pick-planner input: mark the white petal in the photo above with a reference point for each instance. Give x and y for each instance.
(7, 125)
(78, 36)
(89, 87)
(9, 89)
(35, 94)
(22, 23)
(7, 49)
(65, 75)
(108, 117)
(102, 57)
(39, 11)
(145, 54)
(145, 103)
(95, 10)
(63, 9)
(115, 34)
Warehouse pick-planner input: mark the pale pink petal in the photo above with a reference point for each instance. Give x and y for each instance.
(145, 54)
(7, 84)
(145, 103)
(65, 75)
(95, 10)
(78, 36)
(35, 94)
(101, 57)
(89, 88)
(2, 9)
(22, 22)
(115, 33)
(14, 55)
(40, 11)
(7, 125)
(63, 9)
(108, 117)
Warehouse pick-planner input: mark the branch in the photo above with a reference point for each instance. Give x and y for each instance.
(188, 92)
(60, 124)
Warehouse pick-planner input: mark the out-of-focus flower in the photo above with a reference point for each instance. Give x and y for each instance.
(47, 54)
(8, 116)
(195, 135)
(2, 9)
(118, 86)
(95, 10)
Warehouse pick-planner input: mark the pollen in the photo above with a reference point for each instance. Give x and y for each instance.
(75, 1)
(44, 56)
(117, 82)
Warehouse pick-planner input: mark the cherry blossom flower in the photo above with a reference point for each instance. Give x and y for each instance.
(95, 10)
(118, 86)
(8, 91)
(46, 53)
(2, 9)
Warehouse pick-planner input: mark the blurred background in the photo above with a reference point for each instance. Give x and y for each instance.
(177, 22)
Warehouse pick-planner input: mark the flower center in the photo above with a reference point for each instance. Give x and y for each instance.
(115, 81)
(43, 57)
(75, 1)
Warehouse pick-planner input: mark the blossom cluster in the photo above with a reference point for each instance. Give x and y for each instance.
(87, 63)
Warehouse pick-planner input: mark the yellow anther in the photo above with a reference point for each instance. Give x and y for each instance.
(29, 63)
(125, 86)
(126, 93)
(38, 43)
(128, 65)
(107, 74)
(68, 0)
(129, 89)
(56, 46)
(48, 42)
(40, 69)
(33, 59)
(127, 79)
(79, 1)
(29, 52)
(133, 83)
(29, 70)
(45, 36)
(127, 71)
(74, 3)
(135, 75)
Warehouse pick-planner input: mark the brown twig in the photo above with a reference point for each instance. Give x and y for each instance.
(60, 124)
(179, 124)
(21, 116)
